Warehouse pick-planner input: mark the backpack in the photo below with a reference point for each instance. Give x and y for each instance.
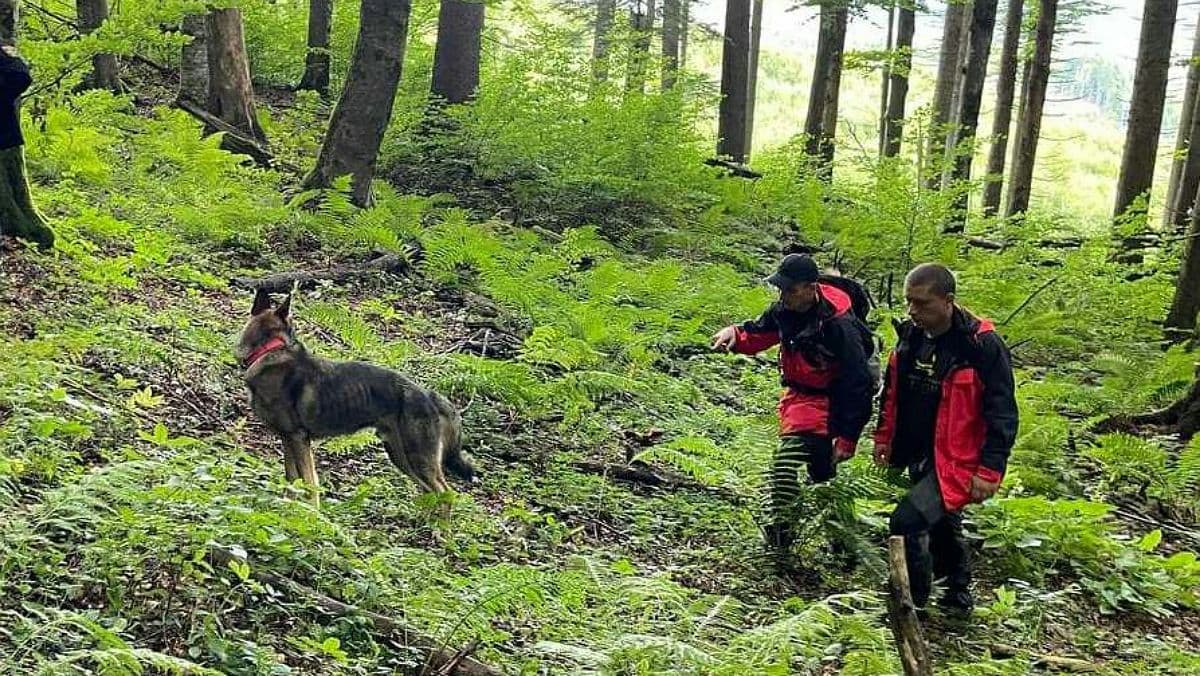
(860, 306)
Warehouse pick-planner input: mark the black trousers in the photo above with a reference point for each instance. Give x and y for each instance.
(933, 539)
(811, 451)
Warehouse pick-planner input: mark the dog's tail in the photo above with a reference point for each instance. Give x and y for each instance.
(454, 459)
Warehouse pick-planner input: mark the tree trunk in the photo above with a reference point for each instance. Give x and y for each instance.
(752, 74)
(956, 98)
(820, 125)
(670, 42)
(1181, 193)
(735, 67)
(642, 20)
(684, 23)
(105, 74)
(230, 92)
(898, 76)
(316, 60)
(456, 56)
(1002, 120)
(979, 48)
(885, 77)
(1029, 124)
(1186, 302)
(365, 107)
(949, 67)
(18, 216)
(193, 66)
(833, 87)
(1146, 104)
(604, 20)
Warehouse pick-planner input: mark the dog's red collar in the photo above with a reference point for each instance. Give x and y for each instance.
(263, 350)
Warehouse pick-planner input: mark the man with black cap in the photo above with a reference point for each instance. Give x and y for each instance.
(823, 366)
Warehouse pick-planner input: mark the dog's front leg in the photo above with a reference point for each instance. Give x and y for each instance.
(304, 463)
(289, 462)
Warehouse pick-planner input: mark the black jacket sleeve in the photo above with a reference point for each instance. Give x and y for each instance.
(999, 401)
(850, 392)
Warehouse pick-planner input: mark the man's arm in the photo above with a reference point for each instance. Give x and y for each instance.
(755, 335)
(999, 406)
(850, 392)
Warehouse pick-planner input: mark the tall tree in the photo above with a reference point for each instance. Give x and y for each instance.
(672, 22)
(898, 79)
(456, 56)
(1186, 301)
(1029, 122)
(1002, 119)
(684, 22)
(642, 18)
(316, 59)
(1146, 104)
(365, 107)
(605, 9)
(956, 95)
(1181, 196)
(230, 91)
(193, 65)
(18, 216)
(752, 76)
(949, 67)
(820, 124)
(885, 76)
(735, 67)
(105, 74)
(979, 48)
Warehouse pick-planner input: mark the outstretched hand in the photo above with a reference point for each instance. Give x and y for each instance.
(725, 339)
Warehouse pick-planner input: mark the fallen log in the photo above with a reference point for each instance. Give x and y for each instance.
(440, 659)
(988, 244)
(283, 281)
(734, 168)
(906, 626)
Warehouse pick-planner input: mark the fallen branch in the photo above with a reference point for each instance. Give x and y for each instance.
(632, 474)
(906, 626)
(734, 168)
(1047, 661)
(234, 140)
(1028, 300)
(165, 70)
(283, 281)
(439, 658)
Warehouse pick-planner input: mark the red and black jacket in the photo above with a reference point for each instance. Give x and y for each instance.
(977, 420)
(822, 363)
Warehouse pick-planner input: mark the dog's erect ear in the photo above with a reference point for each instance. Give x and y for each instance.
(262, 302)
(282, 310)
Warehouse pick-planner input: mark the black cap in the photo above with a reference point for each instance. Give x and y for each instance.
(794, 269)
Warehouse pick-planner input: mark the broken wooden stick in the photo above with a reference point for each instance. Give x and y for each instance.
(283, 281)
(906, 626)
(441, 659)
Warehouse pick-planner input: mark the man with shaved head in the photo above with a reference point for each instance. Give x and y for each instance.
(949, 415)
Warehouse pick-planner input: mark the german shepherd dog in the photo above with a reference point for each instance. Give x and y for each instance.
(302, 397)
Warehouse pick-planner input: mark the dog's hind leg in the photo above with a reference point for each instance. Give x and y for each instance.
(395, 447)
(305, 463)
